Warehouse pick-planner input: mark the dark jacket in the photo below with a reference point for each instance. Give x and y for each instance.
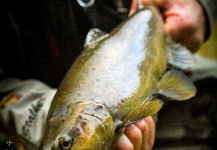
(210, 9)
(41, 39)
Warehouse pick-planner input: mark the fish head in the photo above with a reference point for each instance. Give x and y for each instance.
(85, 126)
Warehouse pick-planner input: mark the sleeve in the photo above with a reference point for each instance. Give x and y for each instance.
(210, 9)
(23, 109)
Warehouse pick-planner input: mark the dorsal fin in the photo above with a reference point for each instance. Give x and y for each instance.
(94, 35)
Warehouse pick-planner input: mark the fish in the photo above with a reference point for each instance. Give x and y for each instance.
(119, 78)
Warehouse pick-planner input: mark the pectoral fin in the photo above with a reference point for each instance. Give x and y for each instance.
(204, 68)
(176, 86)
(139, 109)
(179, 56)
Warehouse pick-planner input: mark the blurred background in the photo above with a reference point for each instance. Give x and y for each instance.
(192, 125)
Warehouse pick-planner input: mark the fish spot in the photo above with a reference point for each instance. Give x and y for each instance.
(80, 117)
(78, 129)
(86, 72)
(62, 120)
(78, 94)
(74, 132)
(99, 107)
(87, 109)
(83, 124)
(98, 80)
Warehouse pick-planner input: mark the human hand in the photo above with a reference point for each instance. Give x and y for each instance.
(138, 136)
(184, 20)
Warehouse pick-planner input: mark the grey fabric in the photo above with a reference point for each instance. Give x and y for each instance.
(210, 8)
(24, 107)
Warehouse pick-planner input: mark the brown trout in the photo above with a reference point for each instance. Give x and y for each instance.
(116, 81)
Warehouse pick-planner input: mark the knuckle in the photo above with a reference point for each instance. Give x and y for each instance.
(130, 147)
(134, 132)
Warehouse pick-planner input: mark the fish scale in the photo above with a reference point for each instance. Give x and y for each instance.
(115, 82)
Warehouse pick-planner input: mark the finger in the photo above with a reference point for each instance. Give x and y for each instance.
(172, 25)
(134, 134)
(189, 32)
(175, 23)
(146, 2)
(123, 143)
(133, 7)
(134, 4)
(151, 125)
(145, 139)
(141, 124)
(158, 3)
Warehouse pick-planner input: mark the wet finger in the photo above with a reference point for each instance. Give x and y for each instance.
(158, 3)
(134, 134)
(146, 2)
(141, 125)
(133, 7)
(161, 3)
(123, 143)
(152, 127)
(145, 138)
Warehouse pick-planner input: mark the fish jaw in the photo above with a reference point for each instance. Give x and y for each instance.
(86, 126)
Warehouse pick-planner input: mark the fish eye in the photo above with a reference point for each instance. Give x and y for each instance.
(65, 143)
